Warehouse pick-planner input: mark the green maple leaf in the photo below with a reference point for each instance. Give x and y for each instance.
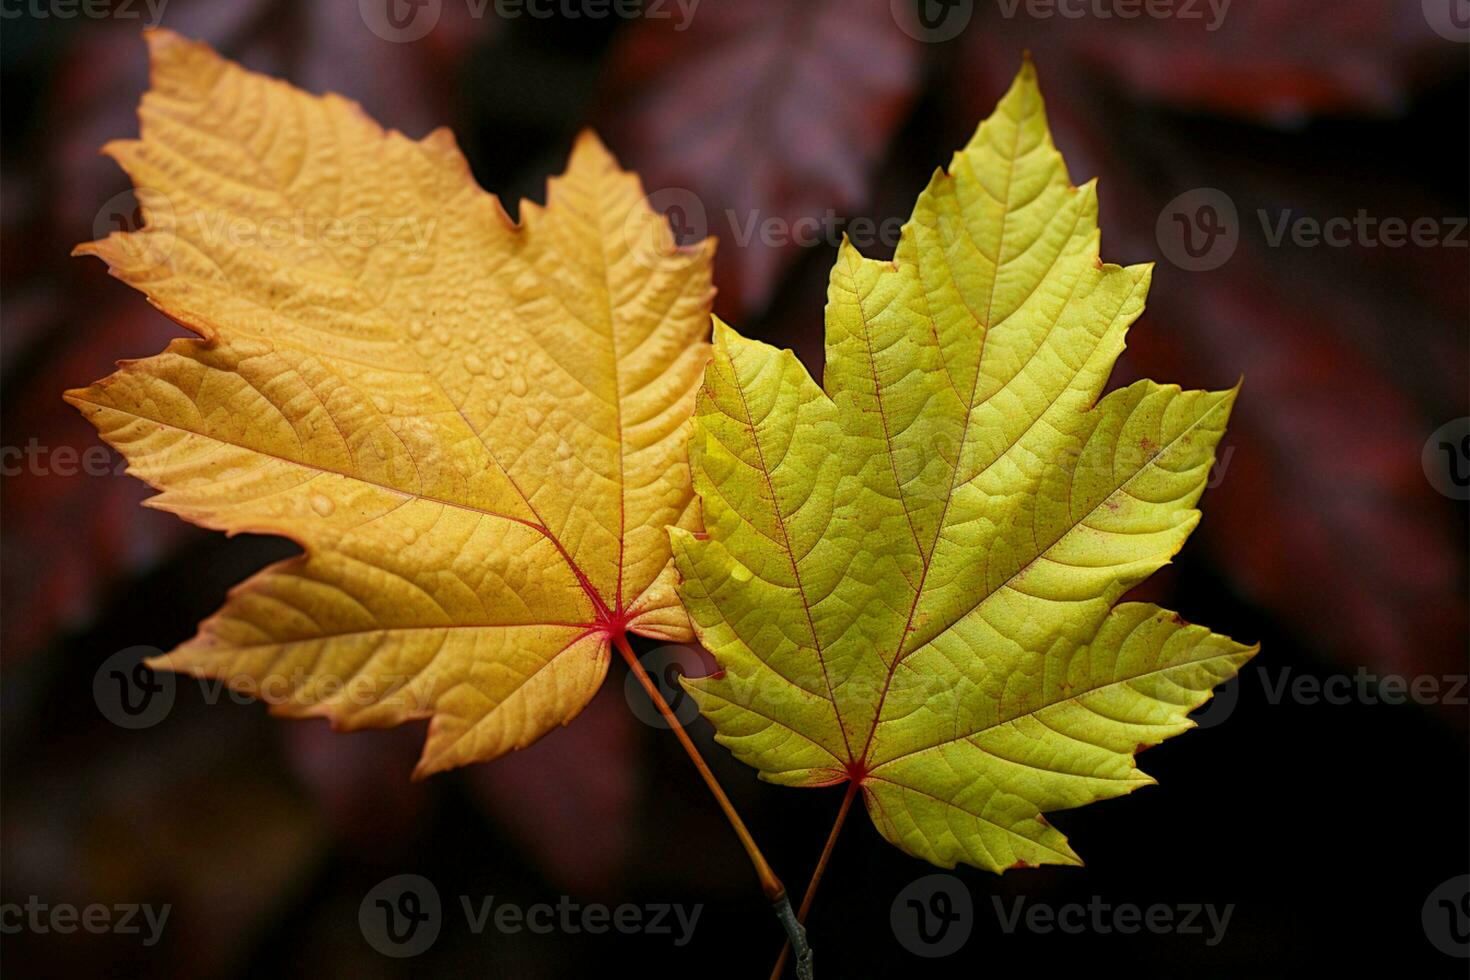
(911, 575)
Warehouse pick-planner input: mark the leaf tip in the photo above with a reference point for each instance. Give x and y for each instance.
(162, 38)
(440, 138)
(76, 397)
(724, 336)
(428, 764)
(1026, 78)
(588, 148)
(165, 45)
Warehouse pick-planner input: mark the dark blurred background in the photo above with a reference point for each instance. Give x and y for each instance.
(1334, 823)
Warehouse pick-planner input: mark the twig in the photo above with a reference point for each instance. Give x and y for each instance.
(803, 952)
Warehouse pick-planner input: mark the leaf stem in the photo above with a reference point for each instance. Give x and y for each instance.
(811, 888)
(770, 884)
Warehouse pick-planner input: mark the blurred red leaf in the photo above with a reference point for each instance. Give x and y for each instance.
(356, 781)
(542, 798)
(194, 825)
(57, 476)
(760, 111)
(1280, 61)
(546, 796)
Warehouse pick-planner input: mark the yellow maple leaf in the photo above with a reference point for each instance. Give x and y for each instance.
(474, 429)
(912, 573)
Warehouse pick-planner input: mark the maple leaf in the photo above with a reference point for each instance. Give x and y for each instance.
(475, 429)
(911, 576)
